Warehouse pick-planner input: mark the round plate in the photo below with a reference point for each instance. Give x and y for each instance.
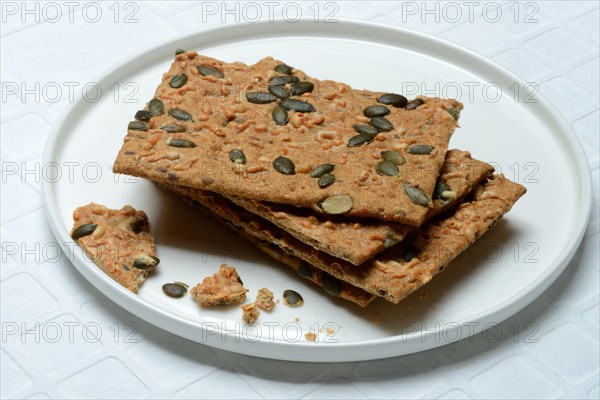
(504, 122)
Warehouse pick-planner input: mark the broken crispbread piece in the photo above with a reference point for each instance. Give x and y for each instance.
(211, 126)
(118, 241)
(223, 288)
(264, 299)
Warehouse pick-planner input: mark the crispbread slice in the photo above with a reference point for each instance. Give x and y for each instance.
(333, 286)
(395, 273)
(221, 120)
(357, 240)
(119, 238)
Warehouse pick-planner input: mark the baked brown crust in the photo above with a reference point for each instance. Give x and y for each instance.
(119, 238)
(223, 120)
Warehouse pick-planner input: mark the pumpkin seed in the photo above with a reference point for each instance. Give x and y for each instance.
(260, 97)
(297, 105)
(367, 129)
(134, 224)
(299, 88)
(326, 180)
(292, 298)
(207, 70)
(280, 115)
(440, 187)
(137, 126)
(337, 204)
(156, 107)
(389, 242)
(393, 99)
(393, 156)
(143, 115)
(361, 139)
(455, 112)
(331, 284)
(411, 105)
(283, 69)
(387, 168)
(178, 81)
(415, 195)
(283, 80)
(83, 230)
(381, 124)
(179, 51)
(376, 111)
(180, 114)
(410, 252)
(174, 290)
(305, 270)
(144, 261)
(279, 91)
(321, 170)
(185, 285)
(237, 156)
(284, 166)
(181, 143)
(421, 149)
(173, 128)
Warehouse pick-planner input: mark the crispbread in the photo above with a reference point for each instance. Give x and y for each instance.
(119, 238)
(357, 240)
(224, 120)
(388, 274)
(346, 290)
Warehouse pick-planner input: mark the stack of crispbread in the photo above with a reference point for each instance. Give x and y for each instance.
(355, 190)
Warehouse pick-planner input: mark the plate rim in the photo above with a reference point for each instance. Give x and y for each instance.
(315, 352)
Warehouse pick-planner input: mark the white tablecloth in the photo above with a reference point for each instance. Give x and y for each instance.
(548, 350)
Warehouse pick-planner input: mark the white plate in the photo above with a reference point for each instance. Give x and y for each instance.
(502, 123)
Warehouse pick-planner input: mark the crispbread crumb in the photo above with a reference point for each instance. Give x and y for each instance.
(264, 299)
(250, 312)
(224, 287)
(297, 319)
(310, 336)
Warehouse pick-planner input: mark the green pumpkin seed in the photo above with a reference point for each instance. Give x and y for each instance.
(260, 97)
(381, 124)
(393, 99)
(410, 252)
(279, 91)
(415, 195)
(389, 242)
(179, 51)
(321, 170)
(283, 69)
(376, 111)
(144, 261)
(207, 70)
(367, 129)
(237, 156)
(181, 143)
(283, 80)
(331, 284)
(178, 81)
(156, 107)
(411, 105)
(180, 114)
(387, 168)
(134, 224)
(292, 298)
(83, 230)
(143, 115)
(174, 290)
(280, 115)
(393, 156)
(299, 88)
(284, 166)
(361, 139)
(297, 105)
(337, 204)
(173, 128)
(305, 270)
(185, 285)
(455, 112)
(137, 126)
(440, 187)
(421, 149)
(326, 180)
